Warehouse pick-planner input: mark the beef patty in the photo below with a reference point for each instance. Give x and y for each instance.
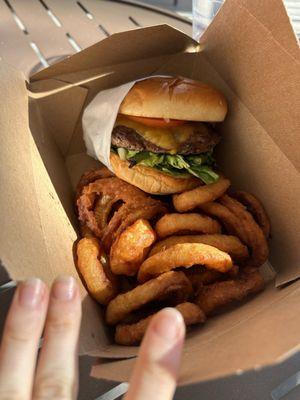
(203, 139)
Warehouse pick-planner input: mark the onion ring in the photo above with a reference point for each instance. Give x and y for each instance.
(91, 176)
(113, 190)
(200, 276)
(85, 231)
(100, 198)
(131, 334)
(131, 247)
(227, 218)
(184, 255)
(165, 285)
(171, 224)
(255, 238)
(100, 282)
(191, 199)
(230, 244)
(255, 207)
(216, 297)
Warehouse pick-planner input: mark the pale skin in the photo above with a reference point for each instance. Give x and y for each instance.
(53, 375)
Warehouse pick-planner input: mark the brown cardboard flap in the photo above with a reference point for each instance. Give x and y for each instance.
(34, 224)
(273, 15)
(259, 70)
(61, 105)
(21, 245)
(122, 48)
(266, 80)
(245, 342)
(36, 236)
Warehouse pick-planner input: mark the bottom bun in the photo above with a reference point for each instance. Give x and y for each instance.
(150, 180)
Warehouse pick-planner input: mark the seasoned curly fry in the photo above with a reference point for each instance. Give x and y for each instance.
(99, 280)
(131, 334)
(184, 255)
(256, 208)
(131, 248)
(163, 286)
(171, 224)
(127, 215)
(191, 199)
(216, 297)
(230, 244)
(255, 238)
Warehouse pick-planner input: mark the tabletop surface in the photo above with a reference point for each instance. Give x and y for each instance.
(36, 33)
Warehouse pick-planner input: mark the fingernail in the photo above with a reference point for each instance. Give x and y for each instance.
(168, 324)
(31, 292)
(64, 288)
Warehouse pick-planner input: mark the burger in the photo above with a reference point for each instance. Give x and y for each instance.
(164, 136)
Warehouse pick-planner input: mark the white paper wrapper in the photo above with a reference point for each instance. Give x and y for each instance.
(98, 121)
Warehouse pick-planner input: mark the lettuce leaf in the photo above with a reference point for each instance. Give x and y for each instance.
(200, 165)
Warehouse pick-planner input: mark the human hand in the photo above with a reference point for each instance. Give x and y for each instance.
(58, 313)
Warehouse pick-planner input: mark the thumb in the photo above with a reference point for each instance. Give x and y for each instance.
(156, 369)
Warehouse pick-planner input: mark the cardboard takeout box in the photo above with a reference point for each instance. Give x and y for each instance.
(251, 54)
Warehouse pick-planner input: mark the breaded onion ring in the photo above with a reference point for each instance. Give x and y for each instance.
(216, 297)
(131, 334)
(191, 199)
(100, 282)
(131, 247)
(171, 224)
(108, 206)
(184, 255)
(230, 244)
(111, 190)
(91, 176)
(255, 207)
(255, 238)
(200, 276)
(163, 286)
(227, 218)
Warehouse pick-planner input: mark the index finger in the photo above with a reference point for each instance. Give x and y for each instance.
(156, 370)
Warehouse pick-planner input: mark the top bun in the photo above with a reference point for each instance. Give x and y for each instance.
(175, 98)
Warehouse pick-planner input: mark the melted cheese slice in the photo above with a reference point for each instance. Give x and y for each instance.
(167, 138)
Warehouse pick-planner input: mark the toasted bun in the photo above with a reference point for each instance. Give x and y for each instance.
(150, 180)
(175, 98)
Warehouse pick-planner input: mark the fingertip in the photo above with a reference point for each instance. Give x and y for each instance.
(64, 288)
(168, 324)
(31, 293)
(155, 373)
